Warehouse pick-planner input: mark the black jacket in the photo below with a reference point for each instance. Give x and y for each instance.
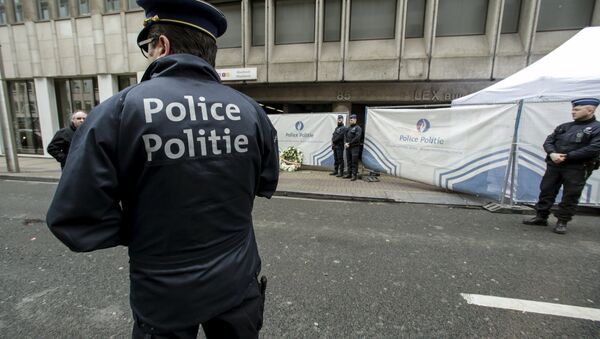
(337, 139)
(353, 134)
(170, 167)
(58, 148)
(579, 140)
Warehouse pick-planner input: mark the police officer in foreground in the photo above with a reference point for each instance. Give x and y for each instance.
(170, 168)
(337, 144)
(573, 152)
(352, 145)
(58, 148)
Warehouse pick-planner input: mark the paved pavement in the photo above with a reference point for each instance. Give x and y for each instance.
(304, 183)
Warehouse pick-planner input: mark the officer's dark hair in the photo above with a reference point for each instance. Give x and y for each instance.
(186, 40)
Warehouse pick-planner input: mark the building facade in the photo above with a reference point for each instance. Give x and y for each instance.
(302, 55)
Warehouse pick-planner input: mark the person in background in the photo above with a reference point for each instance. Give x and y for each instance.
(58, 148)
(352, 144)
(573, 152)
(337, 144)
(170, 168)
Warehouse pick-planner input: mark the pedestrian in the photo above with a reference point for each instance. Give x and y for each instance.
(170, 167)
(337, 144)
(59, 146)
(352, 144)
(573, 152)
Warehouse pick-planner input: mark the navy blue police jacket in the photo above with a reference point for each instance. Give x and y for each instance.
(579, 140)
(337, 139)
(170, 168)
(353, 134)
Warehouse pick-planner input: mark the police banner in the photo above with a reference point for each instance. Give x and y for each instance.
(538, 120)
(310, 133)
(464, 149)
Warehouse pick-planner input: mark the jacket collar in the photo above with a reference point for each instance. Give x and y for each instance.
(181, 65)
(584, 122)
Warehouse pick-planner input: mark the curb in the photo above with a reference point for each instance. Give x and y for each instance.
(24, 178)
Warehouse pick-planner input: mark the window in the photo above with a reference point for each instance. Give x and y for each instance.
(372, 19)
(562, 14)
(2, 13)
(415, 17)
(126, 81)
(43, 10)
(133, 5)
(258, 22)
(510, 17)
(332, 20)
(84, 7)
(26, 121)
(233, 35)
(73, 95)
(294, 21)
(472, 14)
(112, 5)
(63, 8)
(18, 11)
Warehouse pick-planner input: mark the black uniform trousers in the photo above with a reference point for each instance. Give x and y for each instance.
(352, 160)
(572, 181)
(242, 321)
(338, 158)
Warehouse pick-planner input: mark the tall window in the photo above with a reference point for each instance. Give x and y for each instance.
(415, 18)
(565, 14)
(294, 21)
(75, 94)
(63, 8)
(26, 121)
(2, 13)
(233, 35)
(18, 11)
(112, 5)
(84, 7)
(332, 20)
(461, 17)
(258, 22)
(133, 5)
(510, 17)
(126, 81)
(43, 10)
(372, 19)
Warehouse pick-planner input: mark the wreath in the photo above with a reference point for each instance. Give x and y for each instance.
(290, 159)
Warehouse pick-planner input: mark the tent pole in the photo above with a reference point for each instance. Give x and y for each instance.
(513, 152)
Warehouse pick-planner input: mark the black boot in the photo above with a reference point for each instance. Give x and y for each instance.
(537, 220)
(347, 176)
(561, 227)
(335, 172)
(354, 177)
(341, 174)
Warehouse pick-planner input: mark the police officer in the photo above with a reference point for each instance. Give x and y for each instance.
(170, 168)
(352, 144)
(337, 144)
(573, 151)
(58, 148)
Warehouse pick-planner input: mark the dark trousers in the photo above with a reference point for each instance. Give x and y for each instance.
(243, 321)
(338, 158)
(572, 181)
(352, 160)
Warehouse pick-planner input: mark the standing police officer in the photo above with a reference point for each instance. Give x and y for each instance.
(573, 152)
(353, 134)
(170, 168)
(337, 144)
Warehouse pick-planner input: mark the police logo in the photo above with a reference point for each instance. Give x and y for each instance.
(299, 125)
(423, 125)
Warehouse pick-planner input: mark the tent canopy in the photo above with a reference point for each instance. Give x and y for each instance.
(570, 71)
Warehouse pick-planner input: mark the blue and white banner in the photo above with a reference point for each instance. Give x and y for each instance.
(463, 149)
(538, 120)
(310, 133)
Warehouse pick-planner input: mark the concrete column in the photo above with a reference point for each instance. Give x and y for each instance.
(107, 86)
(342, 106)
(45, 95)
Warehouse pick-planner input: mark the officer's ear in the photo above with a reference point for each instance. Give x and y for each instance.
(163, 46)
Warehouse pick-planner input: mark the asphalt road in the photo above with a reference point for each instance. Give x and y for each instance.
(336, 270)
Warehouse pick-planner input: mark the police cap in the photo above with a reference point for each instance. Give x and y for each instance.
(353, 116)
(192, 13)
(585, 102)
(340, 117)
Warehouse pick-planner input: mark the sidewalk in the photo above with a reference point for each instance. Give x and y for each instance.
(303, 184)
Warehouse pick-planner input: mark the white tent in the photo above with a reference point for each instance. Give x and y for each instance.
(570, 71)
